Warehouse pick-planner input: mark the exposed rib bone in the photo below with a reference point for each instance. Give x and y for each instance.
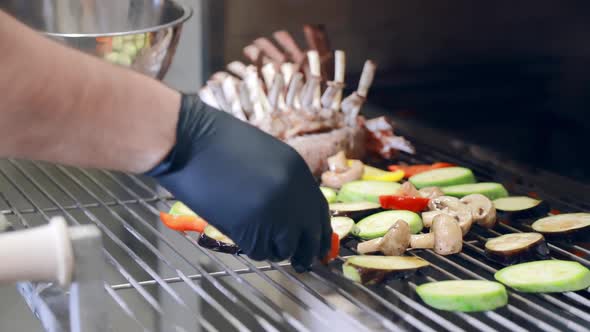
(207, 97)
(295, 87)
(366, 78)
(287, 69)
(252, 53)
(275, 91)
(231, 96)
(270, 50)
(339, 71)
(314, 67)
(245, 98)
(237, 68)
(268, 74)
(217, 91)
(286, 41)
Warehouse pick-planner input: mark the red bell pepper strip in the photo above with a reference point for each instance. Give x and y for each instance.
(183, 223)
(417, 169)
(334, 249)
(414, 204)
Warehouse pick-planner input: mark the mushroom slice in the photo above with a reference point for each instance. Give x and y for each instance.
(454, 207)
(442, 202)
(482, 209)
(394, 243)
(445, 237)
(431, 192)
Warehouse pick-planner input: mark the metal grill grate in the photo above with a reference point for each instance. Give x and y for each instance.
(160, 280)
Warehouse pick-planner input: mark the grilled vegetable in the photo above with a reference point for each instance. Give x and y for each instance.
(447, 176)
(378, 224)
(369, 269)
(394, 243)
(492, 190)
(516, 248)
(179, 209)
(521, 207)
(329, 194)
(376, 174)
(463, 295)
(354, 210)
(367, 191)
(417, 169)
(183, 223)
(445, 237)
(563, 224)
(334, 249)
(547, 276)
(342, 226)
(482, 209)
(415, 204)
(213, 239)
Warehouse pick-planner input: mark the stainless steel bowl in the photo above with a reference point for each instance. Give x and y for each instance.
(140, 34)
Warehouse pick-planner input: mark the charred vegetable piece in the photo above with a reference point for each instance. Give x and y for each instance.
(366, 191)
(563, 224)
(213, 239)
(463, 295)
(417, 169)
(329, 194)
(378, 224)
(354, 210)
(547, 276)
(517, 248)
(342, 226)
(492, 190)
(414, 204)
(447, 176)
(368, 269)
(521, 207)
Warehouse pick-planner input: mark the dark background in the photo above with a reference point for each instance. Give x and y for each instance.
(513, 76)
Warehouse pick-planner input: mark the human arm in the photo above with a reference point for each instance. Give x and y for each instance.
(60, 105)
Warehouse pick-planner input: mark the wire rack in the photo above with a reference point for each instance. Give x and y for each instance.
(161, 280)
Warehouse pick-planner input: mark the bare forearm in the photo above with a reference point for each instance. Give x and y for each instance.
(62, 106)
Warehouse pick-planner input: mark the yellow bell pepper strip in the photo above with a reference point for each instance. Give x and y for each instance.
(375, 174)
(183, 223)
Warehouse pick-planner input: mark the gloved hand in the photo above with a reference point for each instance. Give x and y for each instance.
(251, 186)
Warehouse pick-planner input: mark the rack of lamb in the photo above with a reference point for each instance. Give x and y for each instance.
(285, 92)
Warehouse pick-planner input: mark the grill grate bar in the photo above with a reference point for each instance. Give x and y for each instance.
(124, 306)
(217, 274)
(105, 230)
(197, 288)
(276, 310)
(21, 218)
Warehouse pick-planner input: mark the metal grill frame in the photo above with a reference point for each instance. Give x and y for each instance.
(237, 289)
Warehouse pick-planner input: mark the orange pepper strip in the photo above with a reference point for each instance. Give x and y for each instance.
(417, 169)
(334, 249)
(183, 223)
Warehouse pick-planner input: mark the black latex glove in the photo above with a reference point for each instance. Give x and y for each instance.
(251, 186)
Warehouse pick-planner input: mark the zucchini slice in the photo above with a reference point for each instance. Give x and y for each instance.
(563, 224)
(179, 209)
(329, 194)
(376, 225)
(521, 207)
(492, 190)
(366, 191)
(342, 226)
(546, 276)
(369, 269)
(516, 248)
(213, 239)
(354, 210)
(463, 295)
(443, 177)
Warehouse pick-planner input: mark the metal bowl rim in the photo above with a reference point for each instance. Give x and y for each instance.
(187, 13)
